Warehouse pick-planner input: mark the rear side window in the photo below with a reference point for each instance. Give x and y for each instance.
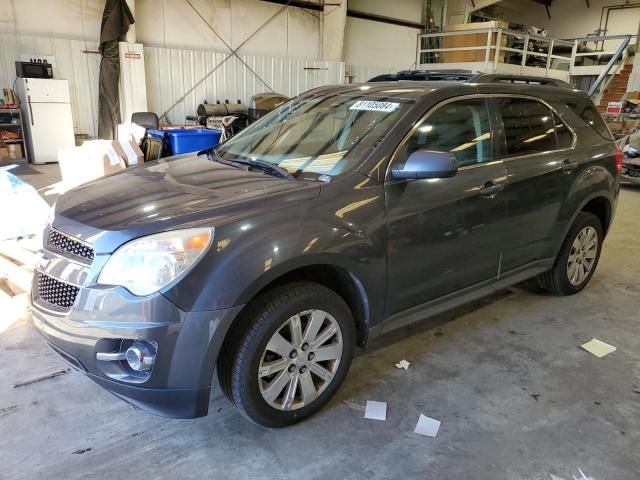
(584, 108)
(529, 126)
(461, 127)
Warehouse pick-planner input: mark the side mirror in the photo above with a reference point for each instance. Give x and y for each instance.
(426, 164)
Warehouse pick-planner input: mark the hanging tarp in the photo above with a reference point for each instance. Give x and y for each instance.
(116, 20)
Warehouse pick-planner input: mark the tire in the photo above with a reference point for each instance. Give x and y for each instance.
(245, 361)
(558, 280)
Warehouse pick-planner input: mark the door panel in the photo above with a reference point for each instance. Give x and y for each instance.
(539, 172)
(444, 234)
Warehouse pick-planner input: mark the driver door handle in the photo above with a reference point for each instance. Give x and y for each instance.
(569, 165)
(491, 189)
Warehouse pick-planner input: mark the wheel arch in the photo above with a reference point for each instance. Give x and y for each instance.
(601, 207)
(336, 277)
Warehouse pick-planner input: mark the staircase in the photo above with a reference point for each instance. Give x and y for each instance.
(616, 89)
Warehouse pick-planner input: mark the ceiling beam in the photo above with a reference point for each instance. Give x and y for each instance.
(383, 19)
(318, 7)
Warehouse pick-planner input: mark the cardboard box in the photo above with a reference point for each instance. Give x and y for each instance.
(614, 107)
(615, 126)
(129, 151)
(633, 95)
(472, 40)
(92, 160)
(15, 151)
(10, 151)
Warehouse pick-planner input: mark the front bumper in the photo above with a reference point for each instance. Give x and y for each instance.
(179, 384)
(631, 171)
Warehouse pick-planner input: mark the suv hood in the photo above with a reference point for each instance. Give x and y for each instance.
(178, 192)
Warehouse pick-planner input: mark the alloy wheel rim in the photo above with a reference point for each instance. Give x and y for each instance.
(582, 256)
(300, 360)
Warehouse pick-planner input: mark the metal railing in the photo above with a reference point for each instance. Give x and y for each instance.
(501, 46)
(508, 51)
(616, 60)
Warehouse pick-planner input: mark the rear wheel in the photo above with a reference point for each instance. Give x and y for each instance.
(578, 257)
(288, 355)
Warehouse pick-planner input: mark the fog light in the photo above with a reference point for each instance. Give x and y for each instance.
(141, 356)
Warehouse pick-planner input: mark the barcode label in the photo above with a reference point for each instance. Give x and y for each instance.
(374, 106)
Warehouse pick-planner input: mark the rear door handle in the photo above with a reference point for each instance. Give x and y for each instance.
(568, 165)
(491, 189)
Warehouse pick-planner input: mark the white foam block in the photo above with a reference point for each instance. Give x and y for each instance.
(376, 410)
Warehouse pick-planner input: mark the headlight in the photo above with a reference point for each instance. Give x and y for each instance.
(148, 264)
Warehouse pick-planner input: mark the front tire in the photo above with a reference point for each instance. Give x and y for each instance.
(577, 259)
(288, 354)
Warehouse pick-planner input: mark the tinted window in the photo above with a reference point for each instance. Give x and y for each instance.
(461, 128)
(528, 126)
(563, 134)
(584, 108)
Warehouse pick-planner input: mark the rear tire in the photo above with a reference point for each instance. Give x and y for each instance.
(578, 257)
(288, 354)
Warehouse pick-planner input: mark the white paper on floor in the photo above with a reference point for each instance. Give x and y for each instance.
(427, 426)
(598, 348)
(376, 410)
(555, 477)
(403, 364)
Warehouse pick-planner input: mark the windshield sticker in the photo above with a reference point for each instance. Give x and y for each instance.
(375, 106)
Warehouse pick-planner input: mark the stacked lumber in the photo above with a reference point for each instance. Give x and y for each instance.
(17, 261)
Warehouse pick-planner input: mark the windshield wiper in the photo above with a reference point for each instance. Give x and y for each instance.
(263, 165)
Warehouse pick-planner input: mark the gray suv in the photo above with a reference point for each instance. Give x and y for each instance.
(348, 212)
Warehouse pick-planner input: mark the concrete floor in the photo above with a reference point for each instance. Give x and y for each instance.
(517, 397)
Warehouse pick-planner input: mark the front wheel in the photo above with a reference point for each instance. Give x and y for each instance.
(288, 355)
(578, 257)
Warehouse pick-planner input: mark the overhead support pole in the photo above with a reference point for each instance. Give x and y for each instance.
(383, 19)
(334, 20)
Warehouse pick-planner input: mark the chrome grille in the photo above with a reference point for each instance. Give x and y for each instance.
(56, 292)
(63, 243)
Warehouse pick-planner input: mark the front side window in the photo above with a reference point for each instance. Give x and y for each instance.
(529, 126)
(461, 127)
(317, 136)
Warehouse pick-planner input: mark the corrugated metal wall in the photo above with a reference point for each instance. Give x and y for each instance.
(171, 73)
(81, 69)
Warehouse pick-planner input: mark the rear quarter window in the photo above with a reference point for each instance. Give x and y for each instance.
(586, 110)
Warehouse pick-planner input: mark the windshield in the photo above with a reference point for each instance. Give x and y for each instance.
(317, 137)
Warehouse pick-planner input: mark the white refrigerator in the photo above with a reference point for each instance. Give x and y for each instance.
(46, 113)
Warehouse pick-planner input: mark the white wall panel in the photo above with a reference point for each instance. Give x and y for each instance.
(362, 73)
(172, 73)
(80, 69)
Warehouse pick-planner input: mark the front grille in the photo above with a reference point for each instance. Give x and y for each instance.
(56, 292)
(67, 244)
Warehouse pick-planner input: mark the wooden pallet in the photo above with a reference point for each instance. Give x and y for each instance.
(17, 261)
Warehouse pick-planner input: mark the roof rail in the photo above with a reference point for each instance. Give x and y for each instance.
(433, 75)
(527, 79)
(468, 76)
